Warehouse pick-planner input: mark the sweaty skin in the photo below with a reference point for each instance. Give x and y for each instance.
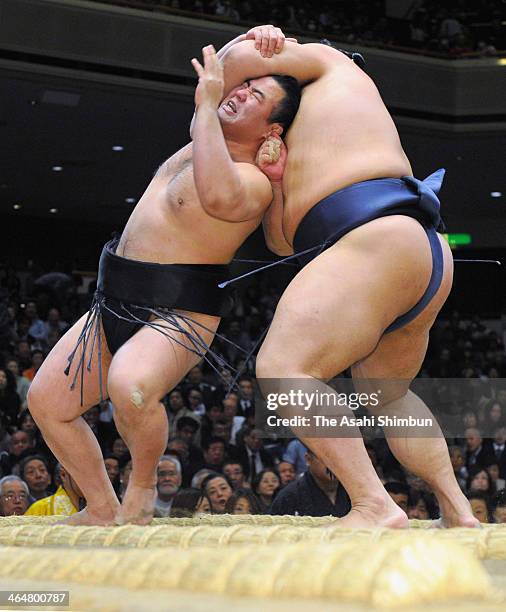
(361, 136)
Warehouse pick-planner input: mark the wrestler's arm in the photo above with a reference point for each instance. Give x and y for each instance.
(271, 159)
(227, 190)
(306, 62)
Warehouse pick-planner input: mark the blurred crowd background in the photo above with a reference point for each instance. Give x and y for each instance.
(457, 28)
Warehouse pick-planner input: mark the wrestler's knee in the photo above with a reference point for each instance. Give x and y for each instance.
(37, 395)
(130, 395)
(272, 363)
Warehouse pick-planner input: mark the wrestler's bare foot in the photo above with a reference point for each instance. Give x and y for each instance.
(138, 506)
(89, 517)
(384, 514)
(452, 516)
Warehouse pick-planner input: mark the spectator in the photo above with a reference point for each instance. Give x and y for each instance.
(475, 454)
(265, 486)
(196, 401)
(295, 454)
(199, 477)
(186, 428)
(54, 324)
(10, 403)
(221, 429)
(104, 431)
(479, 505)
(36, 362)
(479, 480)
(499, 505)
(498, 450)
(399, 492)
(111, 463)
(243, 501)
(286, 471)
(178, 409)
(24, 354)
(214, 454)
(233, 470)
(253, 457)
(493, 471)
(34, 470)
(316, 493)
(13, 496)
(218, 489)
(194, 379)
(230, 407)
(189, 503)
(169, 477)
(459, 469)
(22, 383)
(21, 445)
(246, 393)
(37, 329)
(67, 500)
(421, 506)
(119, 448)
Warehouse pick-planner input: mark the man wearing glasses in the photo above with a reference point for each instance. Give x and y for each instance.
(13, 496)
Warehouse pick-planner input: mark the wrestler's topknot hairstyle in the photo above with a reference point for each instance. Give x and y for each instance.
(285, 111)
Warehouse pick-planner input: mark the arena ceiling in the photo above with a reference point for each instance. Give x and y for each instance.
(70, 119)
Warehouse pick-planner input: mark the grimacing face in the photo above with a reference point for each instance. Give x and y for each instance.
(246, 109)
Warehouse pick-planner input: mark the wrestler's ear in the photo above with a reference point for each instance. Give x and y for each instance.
(276, 129)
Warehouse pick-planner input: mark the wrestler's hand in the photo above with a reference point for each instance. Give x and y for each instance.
(271, 158)
(268, 39)
(211, 83)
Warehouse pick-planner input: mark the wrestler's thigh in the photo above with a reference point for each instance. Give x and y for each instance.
(154, 362)
(399, 355)
(335, 310)
(51, 387)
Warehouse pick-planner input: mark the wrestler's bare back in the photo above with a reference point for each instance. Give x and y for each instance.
(169, 224)
(342, 134)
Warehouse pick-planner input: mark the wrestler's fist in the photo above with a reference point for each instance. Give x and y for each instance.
(211, 83)
(268, 39)
(271, 158)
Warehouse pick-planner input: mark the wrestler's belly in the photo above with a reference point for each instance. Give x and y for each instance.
(155, 234)
(324, 175)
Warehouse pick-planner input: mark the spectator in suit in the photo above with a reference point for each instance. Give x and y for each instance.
(315, 493)
(476, 454)
(498, 450)
(252, 455)
(459, 468)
